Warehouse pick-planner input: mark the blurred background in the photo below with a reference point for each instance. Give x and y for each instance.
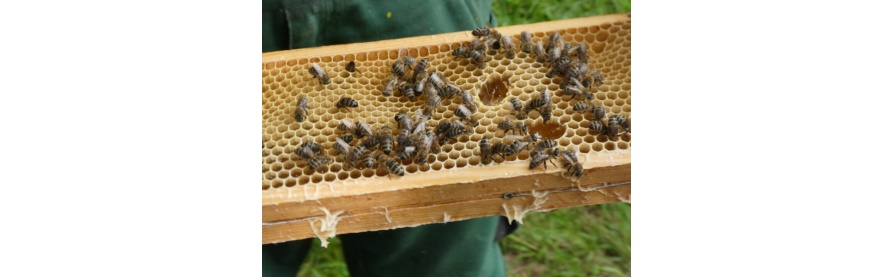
(582, 241)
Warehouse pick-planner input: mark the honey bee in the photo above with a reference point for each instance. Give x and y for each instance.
(348, 138)
(466, 114)
(508, 46)
(362, 130)
(408, 91)
(398, 69)
(346, 125)
(386, 138)
(528, 138)
(435, 80)
(461, 52)
(613, 128)
(403, 121)
(420, 82)
(486, 151)
(545, 145)
(353, 156)
(341, 146)
(597, 126)
(539, 52)
(554, 54)
(560, 65)
(478, 58)
(408, 60)
(540, 157)
(596, 78)
(581, 52)
(574, 169)
(468, 100)
(308, 150)
(510, 125)
(371, 142)
(576, 91)
(582, 106)
(573, 166)
(403, 140)
(451, 130)
(393, 166)
(516, 147)
(555, 42)
(598, 113)
(319, 162)
(420, 67)
(621, 121)
(481, 32)
(346, 102)
(493, 39)
(319, 73)
(526, 42)
(517, 108)
(424, 146)
(500, 149)
(407, 153)
(516, 104)
(477, 45)
(389, 86)
(546, 109)
(301, 109)
(433, 101)
(449, 91)
(352, 67)
(369, 160)
(538, 103)
(577, 71)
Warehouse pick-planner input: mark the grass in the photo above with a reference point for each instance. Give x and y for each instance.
(581, 241)
(514, 12)
(324, 262)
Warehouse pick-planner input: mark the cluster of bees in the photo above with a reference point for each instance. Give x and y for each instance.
(361, 145)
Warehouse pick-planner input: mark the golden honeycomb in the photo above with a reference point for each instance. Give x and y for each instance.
(285, 81)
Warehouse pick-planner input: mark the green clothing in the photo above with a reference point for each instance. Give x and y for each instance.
(291, 24)
(462, 248)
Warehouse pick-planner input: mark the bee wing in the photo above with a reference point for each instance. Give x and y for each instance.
(421, 126)
(425, 142)
(307, 152)
(547, 96)
(365, 127)
(465, 111)
(342, 144)
(460, 124)
(348, 123)
(521, 144)
(409, 149)
(514, 137)
(466, 97)
(420, 116)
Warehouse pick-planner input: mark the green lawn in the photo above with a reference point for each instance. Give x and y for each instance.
(583, 241)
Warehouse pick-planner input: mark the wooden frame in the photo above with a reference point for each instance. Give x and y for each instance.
(380, 203)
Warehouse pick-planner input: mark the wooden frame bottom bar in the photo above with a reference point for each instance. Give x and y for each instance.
(511, 197)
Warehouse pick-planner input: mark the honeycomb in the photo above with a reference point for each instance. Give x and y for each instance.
(492, 86)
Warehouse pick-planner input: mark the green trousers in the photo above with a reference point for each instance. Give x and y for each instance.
(461, 248)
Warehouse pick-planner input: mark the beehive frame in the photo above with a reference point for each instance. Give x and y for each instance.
(300, 203)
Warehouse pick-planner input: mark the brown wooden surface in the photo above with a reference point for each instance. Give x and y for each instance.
(381, 203)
